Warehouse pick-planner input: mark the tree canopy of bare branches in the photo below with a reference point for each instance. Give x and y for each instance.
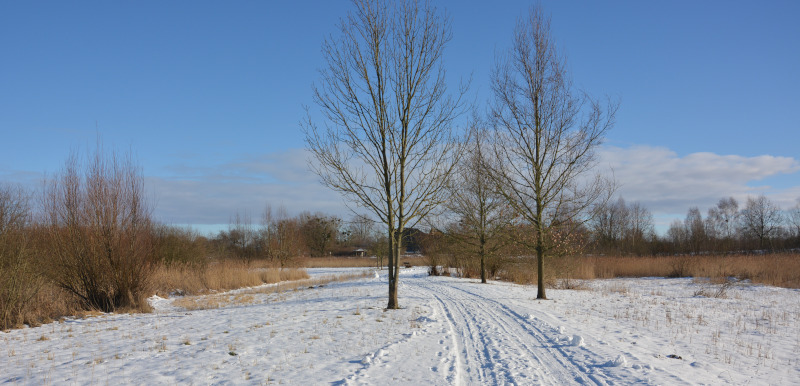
(546, 137)
(387, 143)
(761, 219)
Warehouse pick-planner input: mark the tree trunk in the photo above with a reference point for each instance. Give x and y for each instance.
(483, 260)
(540, 270)
(394, 270)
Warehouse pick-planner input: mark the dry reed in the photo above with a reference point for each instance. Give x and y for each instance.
(780, 270)
(343, 262)
(188, 279)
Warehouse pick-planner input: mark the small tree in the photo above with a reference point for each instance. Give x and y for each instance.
(482, 213)
(388, 144)
(546, 138)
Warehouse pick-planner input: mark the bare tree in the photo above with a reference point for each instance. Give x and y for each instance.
(619, 227)
(361, 230)
(640, 229)
(696, 230)
(761, 219)
(279, 235)
(387, 144)
(610, 223)
(483, 215)
(794, 220)
(546, 137)
(722, 221)
(240, 239)
(319, 232)
(678, 235)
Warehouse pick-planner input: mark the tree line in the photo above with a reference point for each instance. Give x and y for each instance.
(283, 238)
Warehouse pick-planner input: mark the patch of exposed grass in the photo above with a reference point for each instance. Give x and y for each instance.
(246, 296)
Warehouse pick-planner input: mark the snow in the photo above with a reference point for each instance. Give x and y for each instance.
(450, 331)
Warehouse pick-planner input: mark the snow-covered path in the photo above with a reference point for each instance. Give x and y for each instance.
(450, 332)
(490, 343)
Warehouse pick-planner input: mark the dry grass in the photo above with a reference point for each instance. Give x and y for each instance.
(220, 276)
(780, 270)
(247, 296)
(343, 262)
(48, 304)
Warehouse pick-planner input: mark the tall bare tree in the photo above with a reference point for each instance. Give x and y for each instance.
(547, 134)
(387, 144)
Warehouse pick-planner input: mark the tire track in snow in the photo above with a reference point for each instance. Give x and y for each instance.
(495, 344)
(541, 336)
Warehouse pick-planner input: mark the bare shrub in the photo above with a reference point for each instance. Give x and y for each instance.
(174, 245)
(99, 232)
(680, 266)
(19, 281)
(719, 291)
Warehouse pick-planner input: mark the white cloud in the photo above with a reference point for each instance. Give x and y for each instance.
(669, 184)
(213, 195)
(663, 181)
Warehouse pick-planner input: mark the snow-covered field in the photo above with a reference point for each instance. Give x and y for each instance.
(451, 331)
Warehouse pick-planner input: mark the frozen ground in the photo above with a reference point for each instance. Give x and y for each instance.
(644, 331)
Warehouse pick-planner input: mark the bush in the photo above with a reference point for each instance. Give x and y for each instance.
(99, 233)
(19, 282)
(173, 245)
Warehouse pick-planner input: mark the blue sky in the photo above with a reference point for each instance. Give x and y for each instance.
(208, 96)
